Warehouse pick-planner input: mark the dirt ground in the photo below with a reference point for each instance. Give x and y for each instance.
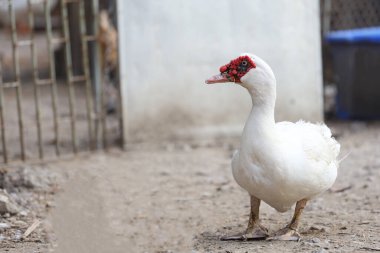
(181, 197)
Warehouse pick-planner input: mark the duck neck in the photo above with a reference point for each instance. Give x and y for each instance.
(260, 124)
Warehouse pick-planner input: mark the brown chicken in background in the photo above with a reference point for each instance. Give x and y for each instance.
(109, 51)
(108, 40)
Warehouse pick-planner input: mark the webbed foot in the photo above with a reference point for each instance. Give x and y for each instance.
(256, 233)
(285, 234)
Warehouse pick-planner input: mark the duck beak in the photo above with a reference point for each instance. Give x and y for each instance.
(220, 78)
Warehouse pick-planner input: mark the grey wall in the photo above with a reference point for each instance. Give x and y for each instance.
(169, 47)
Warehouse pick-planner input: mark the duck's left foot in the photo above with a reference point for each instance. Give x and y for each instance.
(285, 234)
(256, 233)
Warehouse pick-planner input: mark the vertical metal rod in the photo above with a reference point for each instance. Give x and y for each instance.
(52, 75)
(2, 124)
(35, 80)
(103, 79)
(326, 16)
(97, 69)
(122, 77)
(86, 69)
(16, 67)
(69, 72)
(103, 113)
(120, 110)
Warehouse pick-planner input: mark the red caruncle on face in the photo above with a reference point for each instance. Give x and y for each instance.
(237, 68)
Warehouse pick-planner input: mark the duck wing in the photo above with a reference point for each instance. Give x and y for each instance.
(316, 141)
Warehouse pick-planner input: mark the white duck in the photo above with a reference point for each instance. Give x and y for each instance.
(280, 163)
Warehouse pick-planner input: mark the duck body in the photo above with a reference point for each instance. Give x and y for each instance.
(285, 163)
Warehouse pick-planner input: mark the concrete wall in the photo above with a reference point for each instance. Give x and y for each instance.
(169, 47)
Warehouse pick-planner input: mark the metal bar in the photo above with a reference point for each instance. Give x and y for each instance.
(42, 82)
(102, 111)
(56, 40)
(24, 43)
(37, 161)
(81, 155)
(97, 73)
(11, 84)
(103, 114)
(50, 42)
(326, 16)
(123, 82)
(2, 124)
(86, 70)
(69, 72)
(90, 37)
(16, 67)
(35, 80)
(77, 79)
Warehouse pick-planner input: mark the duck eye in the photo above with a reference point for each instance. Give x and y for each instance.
(244, 63)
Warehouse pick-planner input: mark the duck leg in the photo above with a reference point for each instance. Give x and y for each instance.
(290, 233)
(254, 231)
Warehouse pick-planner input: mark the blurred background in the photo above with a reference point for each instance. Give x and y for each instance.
(81, 76)
(61, 63)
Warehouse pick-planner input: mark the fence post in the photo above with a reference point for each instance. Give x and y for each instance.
(123, 88)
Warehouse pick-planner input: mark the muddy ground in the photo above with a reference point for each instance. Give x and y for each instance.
(181, 197)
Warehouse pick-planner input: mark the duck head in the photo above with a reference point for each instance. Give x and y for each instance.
(250, 72)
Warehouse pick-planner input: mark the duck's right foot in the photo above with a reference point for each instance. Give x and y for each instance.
(256, 233)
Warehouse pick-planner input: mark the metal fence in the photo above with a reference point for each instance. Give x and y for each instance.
(76, 98)
(349, 14)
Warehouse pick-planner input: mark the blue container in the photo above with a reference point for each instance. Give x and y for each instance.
(356, 61)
